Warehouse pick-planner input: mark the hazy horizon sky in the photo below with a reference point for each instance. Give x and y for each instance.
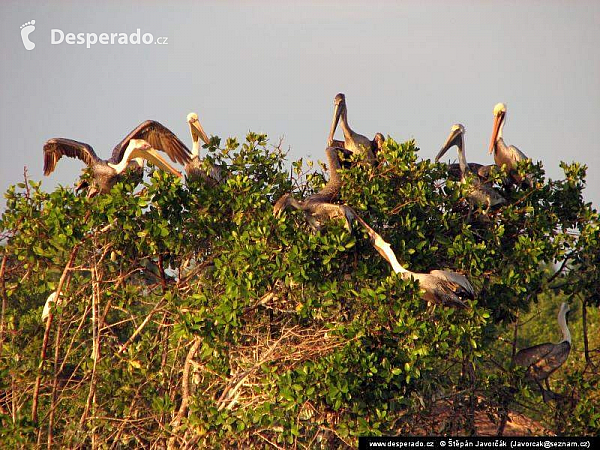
(408, 69)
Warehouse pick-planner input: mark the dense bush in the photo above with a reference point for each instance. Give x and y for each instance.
(189, 314)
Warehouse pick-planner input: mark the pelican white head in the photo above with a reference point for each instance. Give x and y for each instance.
(499, 108)
(499, 119)
(197, 133)
(455, 137)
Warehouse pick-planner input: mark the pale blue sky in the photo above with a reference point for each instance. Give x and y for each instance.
(409, 70)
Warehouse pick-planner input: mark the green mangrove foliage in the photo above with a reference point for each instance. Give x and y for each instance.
(188, 314)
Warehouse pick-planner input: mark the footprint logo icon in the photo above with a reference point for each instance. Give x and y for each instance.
(26, 29)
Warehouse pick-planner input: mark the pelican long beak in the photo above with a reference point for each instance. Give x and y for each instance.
(497, 122)
(154, 157)
(337, 112)
(452, 140)
(200, 131)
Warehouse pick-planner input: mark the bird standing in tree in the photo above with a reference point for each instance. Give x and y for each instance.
(543, 360)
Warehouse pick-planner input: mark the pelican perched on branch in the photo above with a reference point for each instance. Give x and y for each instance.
(138, 145)
(318, 208)
(509, 156)
(195, 169)
(481, 193)
(439, 286)
(543, 359)
(353, 142)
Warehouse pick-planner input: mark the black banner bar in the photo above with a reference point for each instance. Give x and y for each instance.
(454, 443)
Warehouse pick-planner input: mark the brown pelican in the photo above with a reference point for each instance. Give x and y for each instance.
(138, 145)
(318, 208)
(503, 154)
(481, 193)
(439, 286)
(353, 142)
(543, 359)
(442, 287)
(195, 169)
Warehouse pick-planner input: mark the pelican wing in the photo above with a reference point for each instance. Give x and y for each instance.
(494, 195)
(217, 173)
(456, 282)
(528, 356)
(447, 297)
(159, 137)
(438, 290)
(56, 148)
(338, 144)
(552, 361)
(516, 154)
(483, 194)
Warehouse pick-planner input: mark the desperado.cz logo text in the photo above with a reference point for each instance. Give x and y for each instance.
(60, 37)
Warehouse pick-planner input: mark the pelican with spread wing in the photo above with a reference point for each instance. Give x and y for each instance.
(141, 144)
